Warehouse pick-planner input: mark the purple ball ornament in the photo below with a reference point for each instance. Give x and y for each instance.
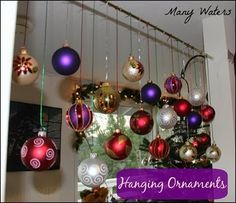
(66, 61)
(79, 116)
(194, 119)
(150, 93)
(173, 84)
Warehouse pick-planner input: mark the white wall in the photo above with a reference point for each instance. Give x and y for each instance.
(219, 36)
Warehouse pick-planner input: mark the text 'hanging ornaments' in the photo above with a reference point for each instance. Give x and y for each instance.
(159, 148)
(182, 107)
(213, 153)
(66, 61)
(133, 70)
(39, 152)
(92, 172)
(118, 146)
(166, 117)
(207, 113)
(150, 93)
(196, 97)
(188, 152)
(173, 84)
(25, 68)
(79, 116)
(141, 122)
(106, 99)
(194, 119)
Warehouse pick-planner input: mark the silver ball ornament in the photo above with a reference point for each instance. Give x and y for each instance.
(196, 97)
(188, 152)
(166, 117)
(92, 172)
(213, 153)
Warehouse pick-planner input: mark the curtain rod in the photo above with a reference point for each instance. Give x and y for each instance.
(155, 27)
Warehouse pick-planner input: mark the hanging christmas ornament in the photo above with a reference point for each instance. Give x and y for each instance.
(188, 152)
(182, 107)
(92, 172)
(194, 119)
(207, 113)
(213, 153)
(106, 99)
(150, 93)
(25, 68)
(66, 61)
(118, 146)
(39, 152)
(166, 117)
(159, 148)
(133, 70)
(141, 122)
(173, 84)
(79, 116)
(196, 97)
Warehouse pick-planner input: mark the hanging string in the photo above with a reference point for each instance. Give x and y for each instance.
(178, 57)
(190, 72)
(81, 40)
(117, 65)
(203, 77)
(67, 19)
(148, 54)
(195, 71)
(139, 58)
(92, 104)
(107, 43)
(43, 68)
(156, 56)
(88, 144)
(131, 42)
(26, 20)
(172, 56)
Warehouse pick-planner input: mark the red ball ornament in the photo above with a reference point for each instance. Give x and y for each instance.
(79, 116)
(39, 152)
(141, 122)
(182, 107)
(159, 148)
(118, 146)
(207, 113)
(205, 139)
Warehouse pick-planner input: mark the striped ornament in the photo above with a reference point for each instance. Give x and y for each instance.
(173, 84)
(79, 116)
(159, 148)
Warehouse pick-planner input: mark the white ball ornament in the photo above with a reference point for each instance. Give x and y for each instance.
(196, 97)
(166, 117)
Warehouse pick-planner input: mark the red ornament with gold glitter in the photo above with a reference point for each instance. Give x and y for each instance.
(39, 152)
(207, 113)
(141, 122)
(159, 148)
(182, 107)
(118, 146)
(25, 68)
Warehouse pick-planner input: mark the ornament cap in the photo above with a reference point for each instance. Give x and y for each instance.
(106, 84)
(158, 136)
(66, 44)
(117, 131)
(23, 50)
(93, 155)
(149, 81)
(42, 133)
(131, 57)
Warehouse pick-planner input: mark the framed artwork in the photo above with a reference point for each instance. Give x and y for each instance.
(24, 123)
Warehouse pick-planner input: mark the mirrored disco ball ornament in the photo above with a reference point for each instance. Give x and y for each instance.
(66, 61)
(92, 172)
(173, 84)
(133, 70)
(39, 152)
(166, 117)
(106, 99)
(150, 93)
(196, 97)
(118, 146)
(213, 153)
(79, 116)
(188, 152)
(25, 68)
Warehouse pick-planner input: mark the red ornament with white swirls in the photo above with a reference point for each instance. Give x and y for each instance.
(39, 152)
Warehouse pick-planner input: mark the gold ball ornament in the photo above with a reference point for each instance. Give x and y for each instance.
(106, 99)
(188, 152)
(213, 153)
(133, 70)
(25, 68)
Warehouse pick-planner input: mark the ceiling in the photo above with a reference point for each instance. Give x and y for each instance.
(60, 27)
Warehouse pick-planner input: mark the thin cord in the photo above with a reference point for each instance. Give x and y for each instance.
(43, 68)
(117, 50)
(131, 42)
(88, 144)
(93, 52)
(156, 57)
(139, 58)
(172, 55)
(107, 42)
(81, 39)
(26, 20)
(67, 19)
(195, 72)
(178, 57)
(149, 70)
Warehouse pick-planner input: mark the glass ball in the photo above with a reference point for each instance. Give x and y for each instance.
(213, 153)
(188, 152)
(92, 172)
(196, 97)
(166, 117)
